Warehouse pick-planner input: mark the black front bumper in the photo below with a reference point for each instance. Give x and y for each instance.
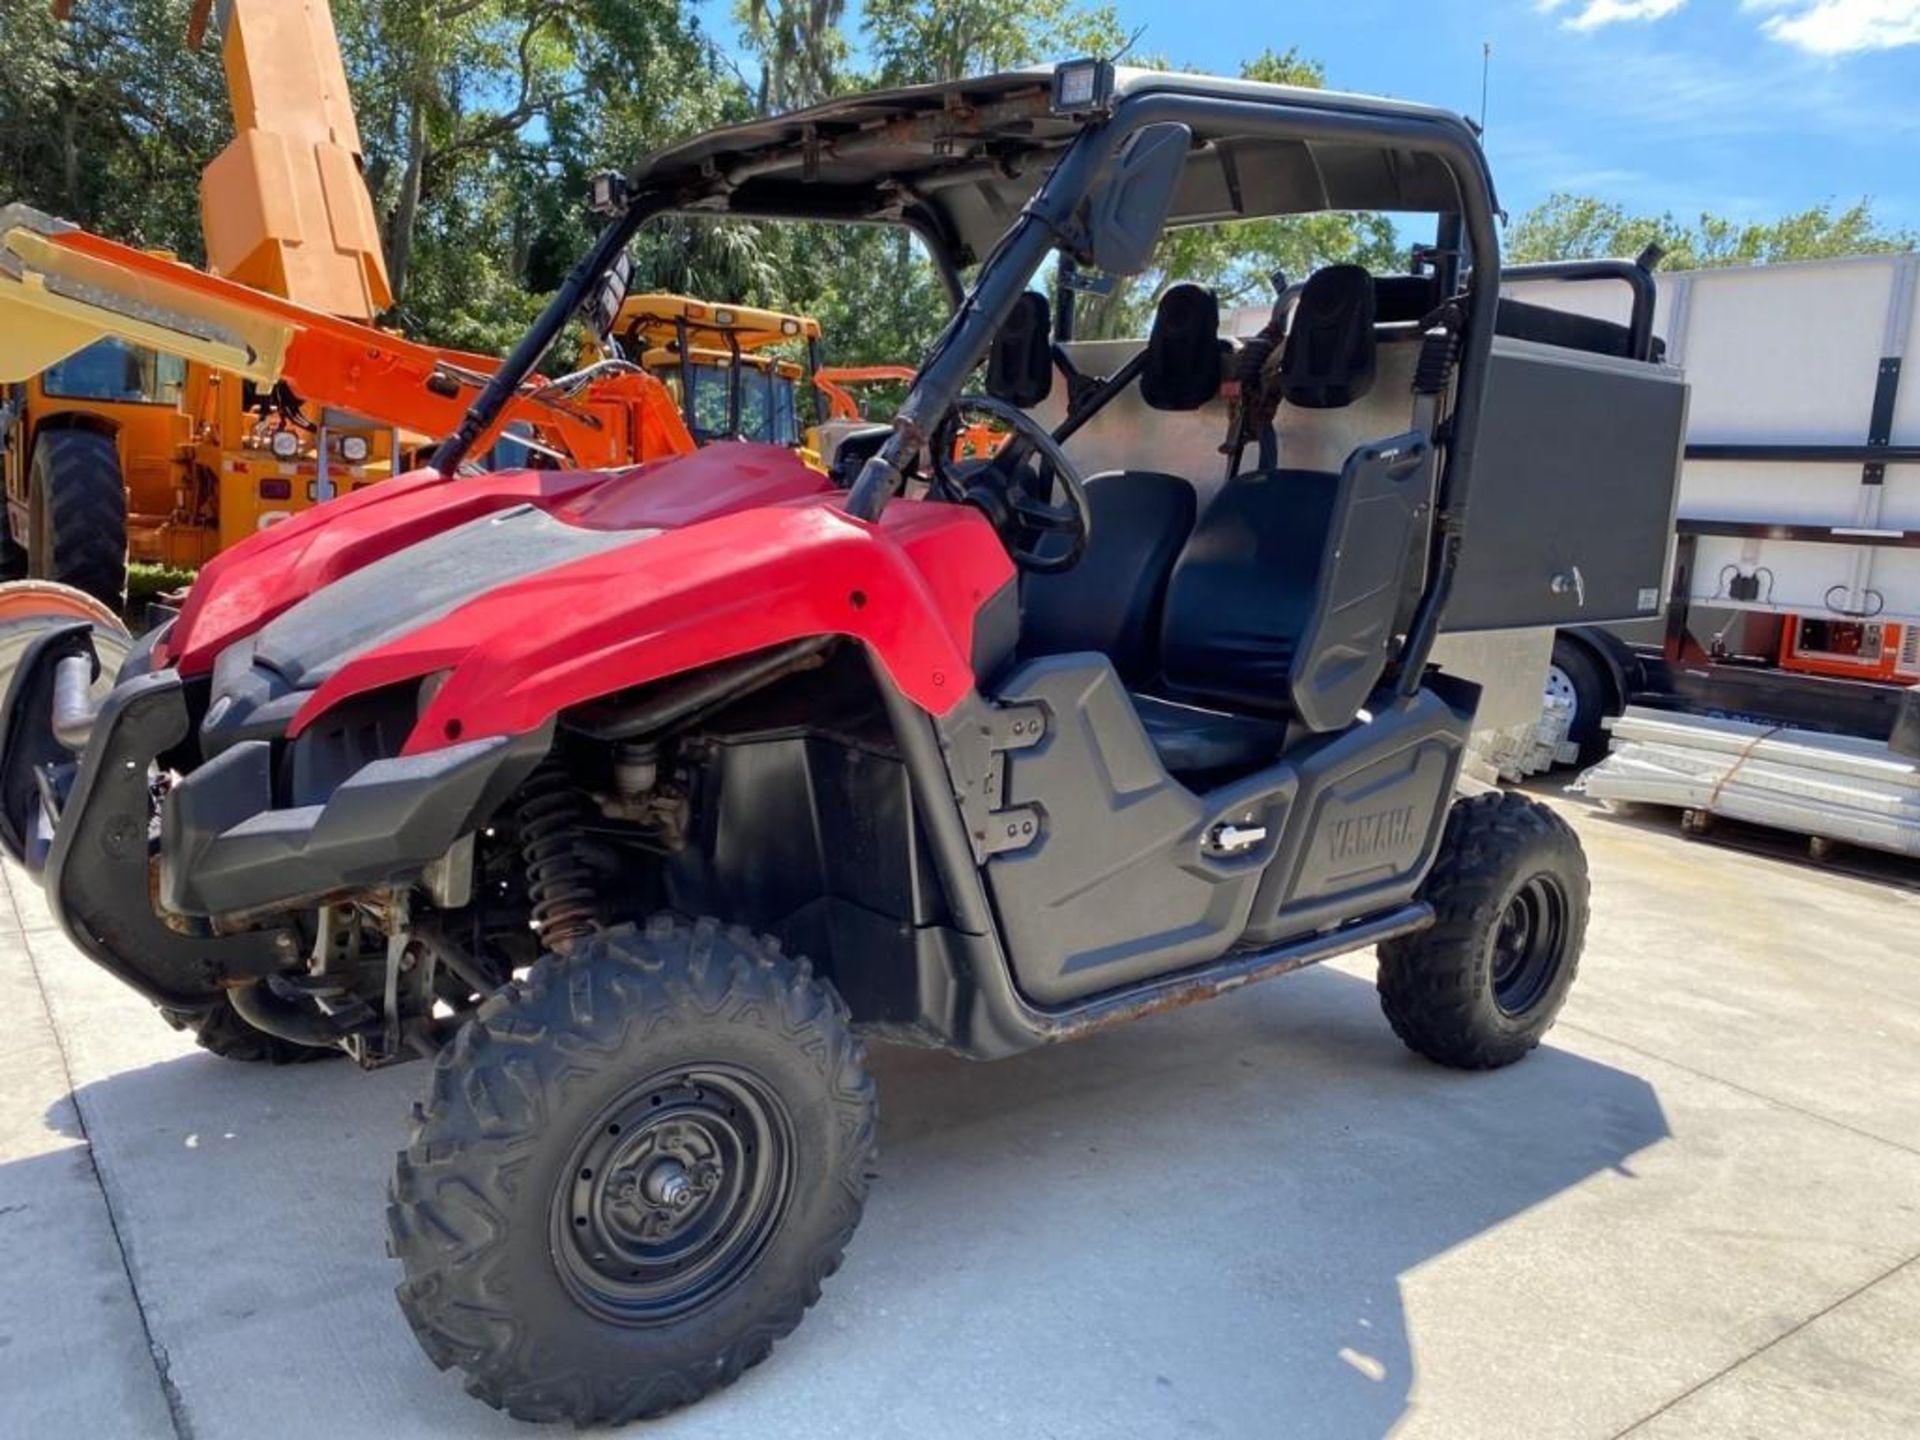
(140, 909)
(85, 830)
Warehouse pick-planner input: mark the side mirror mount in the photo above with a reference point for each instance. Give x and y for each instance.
(1020, 365)
(1125, 216)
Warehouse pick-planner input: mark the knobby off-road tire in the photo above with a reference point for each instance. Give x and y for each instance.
(79, 510)
(632, 1173)
(222, 1032)
(1478, 988)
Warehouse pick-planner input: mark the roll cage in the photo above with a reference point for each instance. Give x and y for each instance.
(948, 161)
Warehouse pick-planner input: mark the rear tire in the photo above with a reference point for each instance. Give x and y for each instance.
(220, 1031)
(1479, 987)
(79, 510)
(632, 1173)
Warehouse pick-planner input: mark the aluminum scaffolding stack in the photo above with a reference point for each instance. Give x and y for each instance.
(1831, 787)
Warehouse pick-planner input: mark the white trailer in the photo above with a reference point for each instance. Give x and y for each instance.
(1794, 602)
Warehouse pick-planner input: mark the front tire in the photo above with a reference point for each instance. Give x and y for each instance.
(78, 534)
(1479, 987)
(632, 1173)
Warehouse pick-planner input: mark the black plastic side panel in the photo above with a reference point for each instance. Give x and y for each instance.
(1343, 649)
(1575, 478)
(1121, 882)
(813, 837)
(97, 877)
(1370, 809)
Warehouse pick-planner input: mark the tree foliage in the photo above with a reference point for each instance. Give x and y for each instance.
(1239, 260)
(1584, 227)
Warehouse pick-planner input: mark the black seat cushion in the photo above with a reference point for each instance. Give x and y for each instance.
(1183, 362)
(1244, 589)
(1111, 601)
(1195, 741)
(1329, 360)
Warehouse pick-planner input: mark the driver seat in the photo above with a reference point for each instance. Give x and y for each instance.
(1111, 600)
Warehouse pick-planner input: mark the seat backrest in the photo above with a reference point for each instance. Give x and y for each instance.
(1242, 592)
(1183, 360)
(1329, 357)
(1285, 597)
(1111, 600)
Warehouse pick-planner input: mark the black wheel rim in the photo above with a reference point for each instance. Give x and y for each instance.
(673, 1193)
(1529, 945)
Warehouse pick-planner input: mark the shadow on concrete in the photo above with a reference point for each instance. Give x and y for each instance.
(1196, 1225)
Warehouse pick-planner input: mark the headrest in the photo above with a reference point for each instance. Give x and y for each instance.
(1399, 298)
(1329, 358)
(1182, 368)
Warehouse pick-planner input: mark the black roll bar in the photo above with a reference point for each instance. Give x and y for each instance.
(527, 355)
(1636, 276)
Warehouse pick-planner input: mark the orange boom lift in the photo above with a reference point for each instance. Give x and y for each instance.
(161, 412)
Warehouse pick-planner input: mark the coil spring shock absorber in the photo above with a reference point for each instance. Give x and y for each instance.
(559, 880)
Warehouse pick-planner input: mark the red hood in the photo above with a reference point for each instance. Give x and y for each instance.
(243, 588)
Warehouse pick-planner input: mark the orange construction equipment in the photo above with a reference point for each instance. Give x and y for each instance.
(975, 441)
(283, 208)
(832, 382)
(74, 286)
(190, 374)
(160, 413)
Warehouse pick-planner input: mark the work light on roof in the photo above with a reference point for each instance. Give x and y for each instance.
(1083, 87)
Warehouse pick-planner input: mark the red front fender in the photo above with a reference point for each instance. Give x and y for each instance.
(908, 588)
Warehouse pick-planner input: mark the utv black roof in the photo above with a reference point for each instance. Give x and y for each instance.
(958, 160)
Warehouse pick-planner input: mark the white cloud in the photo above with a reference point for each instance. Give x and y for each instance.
(1840, 27)
(1592, 14)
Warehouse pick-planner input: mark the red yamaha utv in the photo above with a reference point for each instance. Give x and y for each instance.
(635, 799)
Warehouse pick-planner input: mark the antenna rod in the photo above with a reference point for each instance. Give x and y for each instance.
(1486, 65)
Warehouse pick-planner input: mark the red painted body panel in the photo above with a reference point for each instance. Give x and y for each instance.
(909, 588)
(243, 588)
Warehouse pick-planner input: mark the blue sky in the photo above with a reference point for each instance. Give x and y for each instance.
(1750, 108)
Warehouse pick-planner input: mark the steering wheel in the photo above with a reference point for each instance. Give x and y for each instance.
(998, 487)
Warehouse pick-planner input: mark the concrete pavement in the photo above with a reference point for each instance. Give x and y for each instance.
(1696, 1212)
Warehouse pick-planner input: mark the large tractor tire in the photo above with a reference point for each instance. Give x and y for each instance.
(632, 1172)
(79, 510)
(1478, 988)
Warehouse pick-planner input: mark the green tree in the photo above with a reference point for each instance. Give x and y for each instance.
(800, 46)
(921, 41)
(1237, 259)
(106, 120)
(1583, 227)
